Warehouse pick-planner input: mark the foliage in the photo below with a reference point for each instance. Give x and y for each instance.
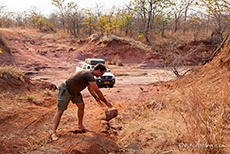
(147, 10)
(38, 21)
(219, 11)
(146, 17)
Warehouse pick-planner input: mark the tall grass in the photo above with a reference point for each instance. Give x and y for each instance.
(203, 109)
(190, 118)
(11, 69)
(142, 131)
(203, 114)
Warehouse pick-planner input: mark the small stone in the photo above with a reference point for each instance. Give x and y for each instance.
(114, 132)
(104, 122)
(101, 118)
(106, 127)
(116, 127)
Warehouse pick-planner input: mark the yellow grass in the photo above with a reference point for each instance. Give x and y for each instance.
(11, 69)
(192, 117)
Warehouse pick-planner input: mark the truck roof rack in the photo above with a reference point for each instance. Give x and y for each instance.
(94, 61)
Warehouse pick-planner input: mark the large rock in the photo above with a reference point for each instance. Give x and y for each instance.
(111, 113)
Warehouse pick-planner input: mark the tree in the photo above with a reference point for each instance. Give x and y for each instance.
(38, 21)
(163, 22)
(177, 15)
(7, 20)
(69, 16)
(53, 18)
(102, 21)
(195, 23)
(73, 18)
(21, 19)
(219, 12)
(178, 11)
(113, 21)
(186, 4)
(36, 18)
(126, 21)
(62, 10)
(2, 11)
(89, 21)
(146, 10)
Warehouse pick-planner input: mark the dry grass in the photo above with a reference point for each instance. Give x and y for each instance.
(188, 120)
(116, 61)
(29, 98)
(57, 36)
(49, 93)
(109, 38)
(11, 69)
(147, 127)
(192, 117)
(203, 111)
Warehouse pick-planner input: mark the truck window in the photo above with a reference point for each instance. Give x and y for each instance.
(85, 67)
(80, 65)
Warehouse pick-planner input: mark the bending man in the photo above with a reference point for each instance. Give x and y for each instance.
(70, 90)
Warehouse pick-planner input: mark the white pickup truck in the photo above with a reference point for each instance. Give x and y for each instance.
(107, 80)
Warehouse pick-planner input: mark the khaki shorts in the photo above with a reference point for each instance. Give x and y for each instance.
(64, 97)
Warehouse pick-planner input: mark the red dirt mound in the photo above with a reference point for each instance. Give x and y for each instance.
(113, 48)
(13, 83)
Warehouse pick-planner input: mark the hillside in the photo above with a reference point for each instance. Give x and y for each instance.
(157, 112)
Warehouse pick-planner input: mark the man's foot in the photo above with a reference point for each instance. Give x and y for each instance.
(54, 137)
(82, 128)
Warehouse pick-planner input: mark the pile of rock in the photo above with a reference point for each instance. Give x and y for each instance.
(107, 128)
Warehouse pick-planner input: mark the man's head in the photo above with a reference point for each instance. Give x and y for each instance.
(99, 70)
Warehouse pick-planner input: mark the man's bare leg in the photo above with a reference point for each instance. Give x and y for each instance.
(81, 107)
(56, 122)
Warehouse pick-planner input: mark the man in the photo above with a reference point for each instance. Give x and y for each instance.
(70, 90)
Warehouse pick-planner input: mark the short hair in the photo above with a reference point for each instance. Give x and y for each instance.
(100, 66)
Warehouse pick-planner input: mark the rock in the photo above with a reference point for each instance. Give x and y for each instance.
(105, 129)
(114, 132)
(101, 118)
(111, 113)
(104, 122)
(116, 127)
(71, 49)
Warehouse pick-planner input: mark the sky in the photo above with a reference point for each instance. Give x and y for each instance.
(46, 7)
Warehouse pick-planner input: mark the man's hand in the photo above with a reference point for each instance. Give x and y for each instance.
(99, 102)
(109, 105)
(93, 88)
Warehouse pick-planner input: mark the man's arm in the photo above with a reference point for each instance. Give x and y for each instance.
(94, 90)
(94, 95)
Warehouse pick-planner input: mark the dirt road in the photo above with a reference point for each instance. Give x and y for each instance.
(125, 75)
